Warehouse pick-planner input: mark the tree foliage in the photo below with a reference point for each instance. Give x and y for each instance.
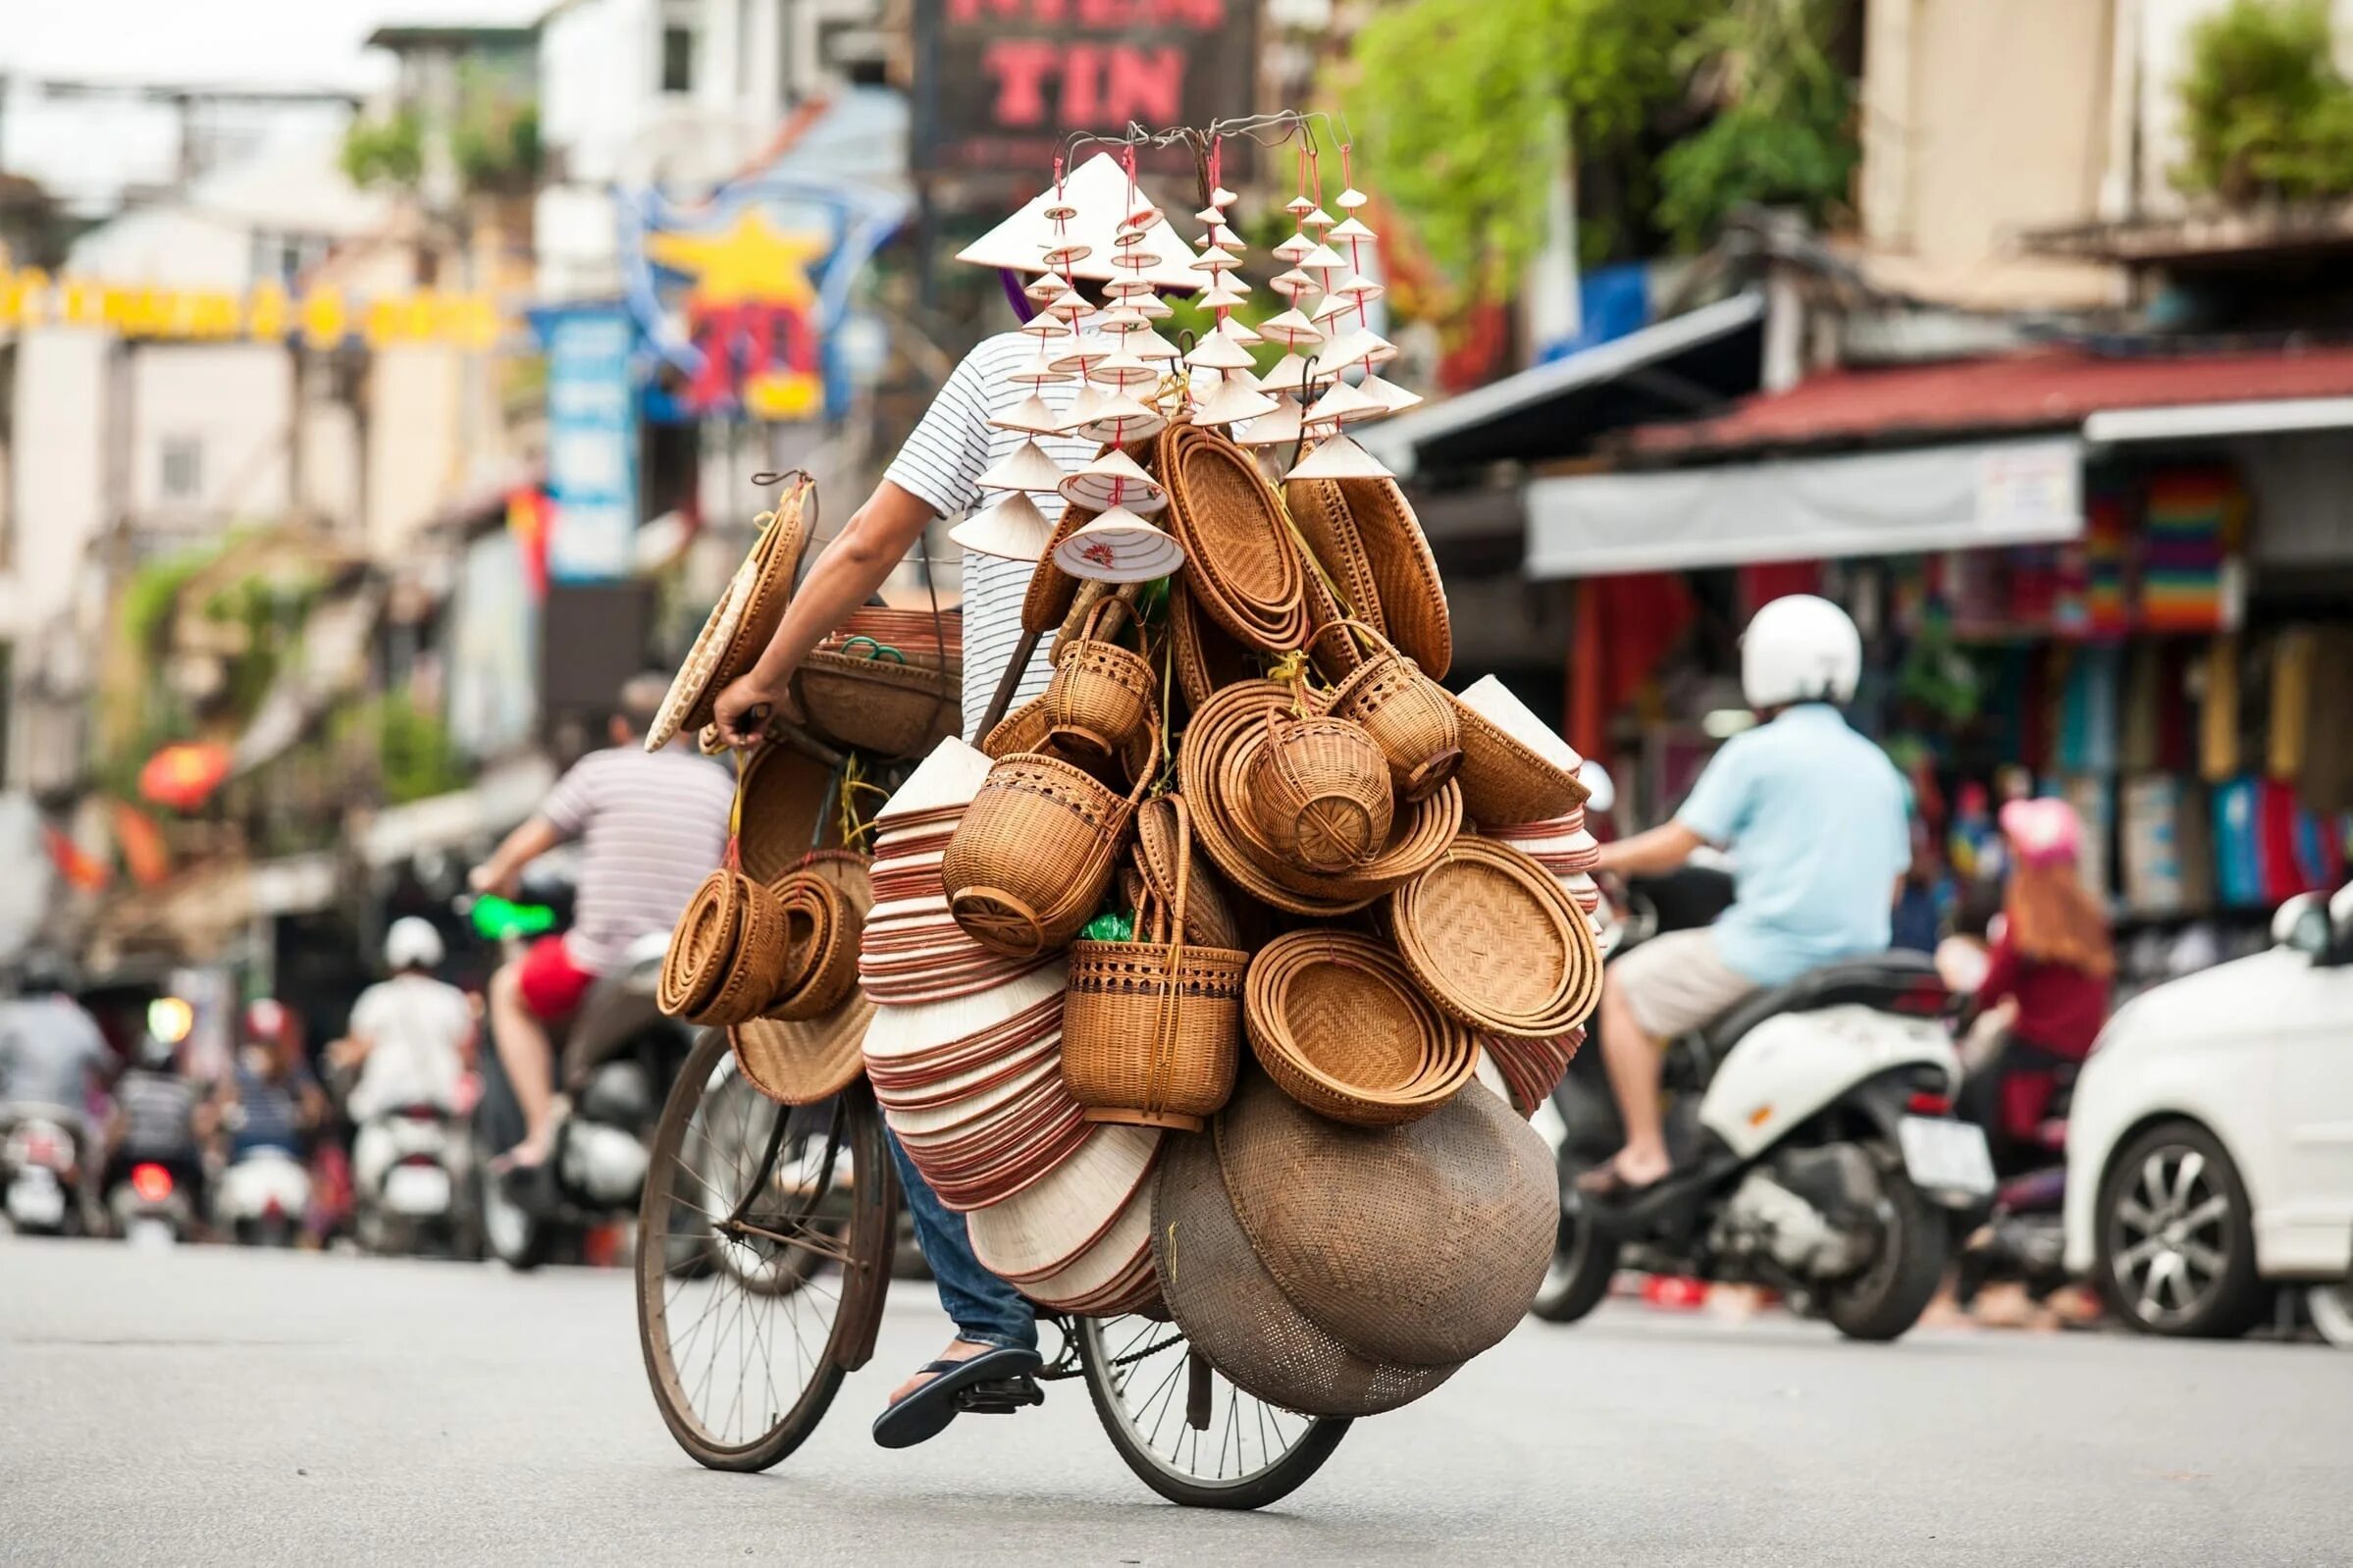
(1784, 131)
(2266, 113)
(389, 152)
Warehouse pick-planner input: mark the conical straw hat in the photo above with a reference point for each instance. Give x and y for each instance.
(1350, 228)
(950, 777)
(1013, 529)
(1280, 428)
(1119, 546)
(1099, 197)
(1217, 351)
(1224, 293)
(1118, 418)
(1350, 199)
(1396, 399)
(1342, 405)
(1362, 347)
(1291, 329)
(1340, 458)
(1294, 248)
(1241, 332)
(1032, 416)
(1114, 480)
(1123, 371)
(1149, 346)
(1235, 399)
(1027, 468)
(1044, 1228)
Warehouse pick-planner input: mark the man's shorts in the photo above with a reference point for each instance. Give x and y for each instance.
(1676, 982)
(550, 982)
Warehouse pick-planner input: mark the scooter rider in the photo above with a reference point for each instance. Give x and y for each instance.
(407, 1041)
(52, 1055)
(1816, 818)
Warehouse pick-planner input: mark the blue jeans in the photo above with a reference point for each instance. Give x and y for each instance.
(985, 1309)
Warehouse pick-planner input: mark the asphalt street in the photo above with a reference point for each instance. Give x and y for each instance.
(213, 1406)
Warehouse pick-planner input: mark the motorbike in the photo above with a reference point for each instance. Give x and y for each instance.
(1814, 1148)
(615, 1059)
(409, 1169)
(149, 1206)
(262, 1198)
(40, 1172)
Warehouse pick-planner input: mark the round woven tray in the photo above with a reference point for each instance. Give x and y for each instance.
(741, 624)
(702, 945)
(1319, 509)
(1412, 595)
(1337, 1022)
(1234, 1314)
(1494, 940)
(801, 1063)
(1240, 563)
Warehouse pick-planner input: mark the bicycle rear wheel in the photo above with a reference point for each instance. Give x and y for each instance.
(764, 1254)
(1187, 1431)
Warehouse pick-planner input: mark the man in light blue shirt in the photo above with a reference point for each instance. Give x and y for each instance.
(1816, 820)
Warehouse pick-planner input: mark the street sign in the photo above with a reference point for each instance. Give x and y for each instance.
(999, 83)
(592, 442)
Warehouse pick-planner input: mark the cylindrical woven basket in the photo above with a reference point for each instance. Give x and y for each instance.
(1103, 697)
(877, 704)
(756, 968)
(1339, 1024)
(1319, 791)
(702, 946)
(830, 973)
(1034, 854)
(1404, 711)
(1153, 1027)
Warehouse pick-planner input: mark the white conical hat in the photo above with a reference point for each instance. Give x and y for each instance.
(1275, 428)
(1123, 370)
(1037, 374)
(1356, 287)
(1046, 286)
(1291, 285)
(1290, 328)
(1219, 237)
(1082, 353)
(1390, 394)
(1292, 372)
(1032, 416)
(1338, 458)
(1236, 399)
(1217, 351)
(1317, 218)
(1150, 305)
(1293, 249)
(1114, 480)
(1119, 418)
(1350, 199)
(1224, 293)
(1119, 546)
(1013, 529)
(1149, 346)
(950, 777)
(1343, 403)
(1241, 332)
(1209, 215)
(1098, 191)
(1362, 347)
(1350, 229)
(1219, 197)
(1322, 258)
(1215, 260)
(1026, 468)
(1044, 326)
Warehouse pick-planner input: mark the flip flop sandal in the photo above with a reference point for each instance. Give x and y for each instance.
(925, 1414)
(1604, 1184)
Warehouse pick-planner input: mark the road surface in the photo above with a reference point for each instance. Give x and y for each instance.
(206, 1405)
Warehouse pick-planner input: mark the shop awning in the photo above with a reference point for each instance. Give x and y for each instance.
(2194, 421)
(1692, 364)
(1881, 503)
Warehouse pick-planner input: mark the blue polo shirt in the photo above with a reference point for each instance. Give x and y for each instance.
(1816, 819)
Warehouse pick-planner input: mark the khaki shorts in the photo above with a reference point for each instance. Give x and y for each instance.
(1676, 982)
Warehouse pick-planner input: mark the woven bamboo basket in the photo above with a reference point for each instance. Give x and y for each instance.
(1340, 1025)
(1503, 781)
(1320, 509)
(877, 704)
(1493, 939)
(1319, 791)
(754, 966)
(1212, 917)
(1405, 712)
(1102, 698)
(1207, 660)
(829, 972)
(1153, 1027)
(1034, 854)
(701, 944)
(1240, 562)
(1413, 597)
(745, 618)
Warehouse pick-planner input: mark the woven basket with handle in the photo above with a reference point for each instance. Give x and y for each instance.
(1034, 854)
(1102, 698)
(1319, 792)
(1152, 1028)
(1404, 711)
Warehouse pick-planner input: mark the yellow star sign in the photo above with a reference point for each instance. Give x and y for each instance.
(752, 263)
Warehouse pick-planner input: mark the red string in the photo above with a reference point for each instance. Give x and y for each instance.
(1217, 163)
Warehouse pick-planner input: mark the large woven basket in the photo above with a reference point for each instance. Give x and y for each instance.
(1496, 941)
(1034, 854)
(1406, 714)
(1503, 781)
(783, 815)
(1413, 597)
(1153, 1027)
(1103, 697)
(1026, 729)
(1320, 509)
(1319, 792)
(1340, 1025)
(1235, 1315)
(1240, 562)
(879, 704)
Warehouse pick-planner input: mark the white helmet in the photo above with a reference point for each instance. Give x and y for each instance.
(413, 944)
(1801, 648)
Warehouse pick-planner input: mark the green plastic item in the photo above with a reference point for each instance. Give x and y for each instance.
(496, 918)
(1110, 926)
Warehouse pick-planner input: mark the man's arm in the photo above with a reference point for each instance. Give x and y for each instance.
(1648, 854)
(877, 537)
(519, 848)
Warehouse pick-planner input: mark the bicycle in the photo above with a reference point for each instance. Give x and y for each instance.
(754, 1212)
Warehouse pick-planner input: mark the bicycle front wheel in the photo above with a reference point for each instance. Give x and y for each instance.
(763, 1252)
(1185, 1429)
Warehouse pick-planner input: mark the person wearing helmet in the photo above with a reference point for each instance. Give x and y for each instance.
(409, 1034)
(2048, 969)
(1816, 819)
(52, 1055)
(159, 1118)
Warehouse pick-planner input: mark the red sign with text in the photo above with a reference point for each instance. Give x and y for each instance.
(1000, 83)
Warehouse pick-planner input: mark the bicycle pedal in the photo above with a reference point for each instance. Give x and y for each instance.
(1000, 1397)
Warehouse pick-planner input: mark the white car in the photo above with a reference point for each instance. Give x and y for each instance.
(2210, 1148)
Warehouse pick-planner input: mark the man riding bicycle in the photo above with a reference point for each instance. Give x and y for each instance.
(651, 825)
(1816, 818)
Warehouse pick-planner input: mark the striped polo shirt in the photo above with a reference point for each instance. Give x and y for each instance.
(941, 466)
(650, 827)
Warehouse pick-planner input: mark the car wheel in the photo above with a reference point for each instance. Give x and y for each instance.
(2176, 1238)
(2331, 1309)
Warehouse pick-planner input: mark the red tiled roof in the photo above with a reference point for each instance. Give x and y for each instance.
(2043, 390)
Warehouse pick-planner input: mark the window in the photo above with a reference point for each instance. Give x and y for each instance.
(677, 56)
(183, 477)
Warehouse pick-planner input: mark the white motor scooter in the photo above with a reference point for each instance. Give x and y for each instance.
(1814, 1147)
(264, 1194)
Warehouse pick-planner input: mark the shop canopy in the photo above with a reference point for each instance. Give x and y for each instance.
(1692, 364)
(1879, 504)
